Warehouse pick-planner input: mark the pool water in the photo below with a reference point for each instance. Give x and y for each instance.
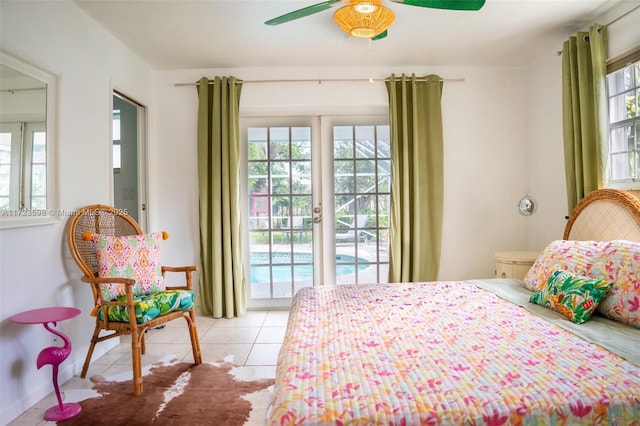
(301, 264)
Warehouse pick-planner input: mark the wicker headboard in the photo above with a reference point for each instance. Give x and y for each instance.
(604, 215)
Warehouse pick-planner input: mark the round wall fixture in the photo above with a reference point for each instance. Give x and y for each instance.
(527, 205)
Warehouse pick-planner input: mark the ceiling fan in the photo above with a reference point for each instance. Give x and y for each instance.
(369, 18)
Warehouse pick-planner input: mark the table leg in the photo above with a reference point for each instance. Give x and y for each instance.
(54, 355)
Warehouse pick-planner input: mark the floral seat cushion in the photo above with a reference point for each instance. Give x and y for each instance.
(150, 306)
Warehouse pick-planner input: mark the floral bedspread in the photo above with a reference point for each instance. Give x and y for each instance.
(441, 353)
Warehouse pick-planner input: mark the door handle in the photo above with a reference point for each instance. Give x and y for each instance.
(317, 214)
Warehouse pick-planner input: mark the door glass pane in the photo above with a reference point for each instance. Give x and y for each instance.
(301, 181)
(280, 217)
(343, 172)
(361, 193)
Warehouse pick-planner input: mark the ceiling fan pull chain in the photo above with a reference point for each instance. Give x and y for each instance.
(370, 66)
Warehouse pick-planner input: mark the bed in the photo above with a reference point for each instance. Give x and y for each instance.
(478, 352)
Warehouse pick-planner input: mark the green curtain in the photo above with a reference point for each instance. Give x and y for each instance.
(222, 285)
(415, 118)
(584, 112)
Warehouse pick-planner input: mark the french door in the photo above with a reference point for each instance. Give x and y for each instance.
(317, 204)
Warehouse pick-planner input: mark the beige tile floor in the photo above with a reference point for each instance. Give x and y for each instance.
(253, 341)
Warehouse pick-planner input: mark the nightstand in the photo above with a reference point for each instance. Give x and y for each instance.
(514, 264)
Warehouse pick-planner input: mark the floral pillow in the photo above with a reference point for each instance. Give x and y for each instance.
(574, 296)
(132, 256)
(620, 264)
(576, 257)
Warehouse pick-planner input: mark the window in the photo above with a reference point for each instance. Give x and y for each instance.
(623, 86)
(23, 161)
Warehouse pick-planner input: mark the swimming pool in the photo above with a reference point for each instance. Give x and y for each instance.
(301, 264)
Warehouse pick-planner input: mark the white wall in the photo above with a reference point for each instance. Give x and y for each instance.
(484, 149)
(33, 273)
(543, 135)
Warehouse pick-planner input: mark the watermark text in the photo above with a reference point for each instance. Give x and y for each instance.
(57, 212)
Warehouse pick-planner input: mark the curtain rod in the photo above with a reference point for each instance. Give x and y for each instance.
(613, 21)
(328, 80)
(622, 16)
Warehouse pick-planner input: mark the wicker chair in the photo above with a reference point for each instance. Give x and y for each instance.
(105, 220)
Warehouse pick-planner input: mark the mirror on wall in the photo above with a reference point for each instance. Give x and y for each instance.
(27, 130)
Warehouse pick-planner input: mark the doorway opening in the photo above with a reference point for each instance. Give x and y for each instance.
(129, 157)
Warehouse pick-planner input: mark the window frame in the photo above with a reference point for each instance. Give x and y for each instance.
(614, 65)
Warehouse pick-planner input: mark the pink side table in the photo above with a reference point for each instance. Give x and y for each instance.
(53, 355)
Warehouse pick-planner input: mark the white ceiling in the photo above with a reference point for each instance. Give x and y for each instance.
(188, 34)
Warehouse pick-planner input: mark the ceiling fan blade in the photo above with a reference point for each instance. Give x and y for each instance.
(445, 4)
(301, 13)
(381, 35)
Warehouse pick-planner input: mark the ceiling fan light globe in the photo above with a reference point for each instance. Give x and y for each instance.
(365, 7)
(364, 25)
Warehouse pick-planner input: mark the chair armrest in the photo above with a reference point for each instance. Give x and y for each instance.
(187, 275)
(96, 282)
(189, 268)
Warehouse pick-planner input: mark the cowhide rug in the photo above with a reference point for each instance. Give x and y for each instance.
(176, 393)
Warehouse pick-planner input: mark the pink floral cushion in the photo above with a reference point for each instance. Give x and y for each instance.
(620, 263)
(132, 256)
(576, 257)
